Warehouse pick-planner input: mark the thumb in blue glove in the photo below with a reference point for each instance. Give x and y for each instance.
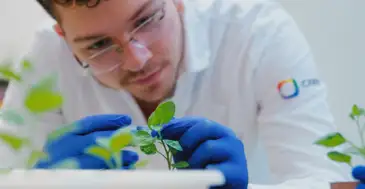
(72, 145)
(358, 173)
(209, 145)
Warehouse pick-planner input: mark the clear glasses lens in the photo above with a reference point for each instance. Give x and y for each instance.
(113, 56)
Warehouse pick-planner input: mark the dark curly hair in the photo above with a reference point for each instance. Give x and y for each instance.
(49, 4)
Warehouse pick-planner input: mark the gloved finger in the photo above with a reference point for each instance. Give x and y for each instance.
(200, 132)
(72, 145)
(178, 127)
(358, 173)
(101, 123)
(128, 158)
(233, 179)
(210, 152)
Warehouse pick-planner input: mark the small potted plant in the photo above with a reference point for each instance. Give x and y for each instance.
(336, 139)
(42, 98)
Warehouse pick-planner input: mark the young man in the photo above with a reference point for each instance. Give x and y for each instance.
(240, 73)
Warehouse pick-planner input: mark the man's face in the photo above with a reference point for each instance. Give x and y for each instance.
(147, 67)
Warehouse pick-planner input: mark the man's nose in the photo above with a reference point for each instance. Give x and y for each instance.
(136, 56)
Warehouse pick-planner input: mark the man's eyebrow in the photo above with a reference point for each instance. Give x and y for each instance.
(141, 9)
(87, 38)
(133, 17)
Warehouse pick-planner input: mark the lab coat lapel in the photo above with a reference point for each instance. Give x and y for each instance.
(196, 57)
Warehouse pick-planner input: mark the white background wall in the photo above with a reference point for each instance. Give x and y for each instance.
(334, 28)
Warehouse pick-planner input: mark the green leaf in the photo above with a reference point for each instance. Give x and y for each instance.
(42, 101)
(181, 164)
(339, 157)
(66, 164)
(352, 116)
(120, 141)
(8, 73)
(149, 149)
(14, 141)
(174, 144)
(26, 65)
(356, 111)
(42, 98)
(162, 115)
(173, 150)
(60, 132)
(141, 164)
(331, 140)
(34, 157)
(5, 170)
(103, 142)
(99, 152)
(144, 138)
(12, 116)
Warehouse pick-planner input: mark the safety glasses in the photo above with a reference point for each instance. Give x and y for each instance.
(140, 38)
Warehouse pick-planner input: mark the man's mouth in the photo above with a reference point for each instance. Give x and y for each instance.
(148, 78)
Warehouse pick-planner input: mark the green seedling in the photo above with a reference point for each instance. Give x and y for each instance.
(109, 149)
(148, 138)
(336, 139)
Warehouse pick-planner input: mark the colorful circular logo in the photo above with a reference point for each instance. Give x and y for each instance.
(288, 88)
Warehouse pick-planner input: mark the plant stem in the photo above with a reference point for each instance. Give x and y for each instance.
(360, 132)
(170, 158)
(118, 160)
(167, 154)
(357, 148)
(109, 164)
(163, 155)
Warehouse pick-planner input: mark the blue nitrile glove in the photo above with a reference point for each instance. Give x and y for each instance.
(84, 134)
(358, 173)
(209, 145)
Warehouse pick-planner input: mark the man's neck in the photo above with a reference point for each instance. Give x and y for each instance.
(148, 108)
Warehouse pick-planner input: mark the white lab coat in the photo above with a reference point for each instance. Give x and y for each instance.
(237, 53)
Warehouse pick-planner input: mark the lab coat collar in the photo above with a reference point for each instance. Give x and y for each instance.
(196, 28)
(196, 58)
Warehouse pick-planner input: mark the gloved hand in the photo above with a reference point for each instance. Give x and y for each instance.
(82, 136)
(359, 174)
(209, 145)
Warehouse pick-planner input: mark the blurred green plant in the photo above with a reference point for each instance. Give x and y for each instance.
(42, 98)
(336, 139)
(109, 148)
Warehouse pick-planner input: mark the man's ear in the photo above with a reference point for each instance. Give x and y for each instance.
(179, 5)
(57, 28)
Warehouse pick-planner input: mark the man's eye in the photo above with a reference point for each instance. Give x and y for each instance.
(101, 44)
(142, 21)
